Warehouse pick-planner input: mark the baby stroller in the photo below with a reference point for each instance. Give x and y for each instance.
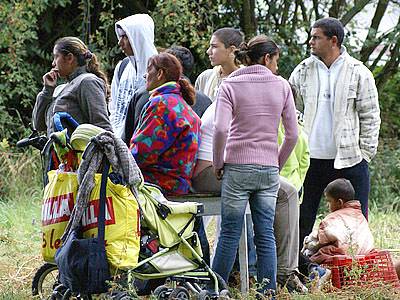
(169, 249)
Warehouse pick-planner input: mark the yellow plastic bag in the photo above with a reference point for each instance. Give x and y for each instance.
(122, 225)
(122, 230)
(59, 199)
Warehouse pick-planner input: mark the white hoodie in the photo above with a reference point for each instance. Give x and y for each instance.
(139, 29)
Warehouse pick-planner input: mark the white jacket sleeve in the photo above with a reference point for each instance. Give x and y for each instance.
(114, 91)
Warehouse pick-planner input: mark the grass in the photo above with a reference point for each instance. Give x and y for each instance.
(20, 228)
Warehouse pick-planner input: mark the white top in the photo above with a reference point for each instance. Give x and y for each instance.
(207, 132)
(139, 29)
(321, 140)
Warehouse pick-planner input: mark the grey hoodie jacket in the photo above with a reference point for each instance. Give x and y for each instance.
(139, 29)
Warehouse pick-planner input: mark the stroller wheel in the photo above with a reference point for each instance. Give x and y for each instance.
(58, 292)
(179, 293)
(44, 281)
(224, 295)
(67, 295)
(204, 295)
(117, 295)
(161, 292)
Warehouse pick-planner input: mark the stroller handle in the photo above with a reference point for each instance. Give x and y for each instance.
(59, 116)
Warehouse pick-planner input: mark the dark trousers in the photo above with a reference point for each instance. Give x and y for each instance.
(305, 264)
(205, 247)
(320, 173)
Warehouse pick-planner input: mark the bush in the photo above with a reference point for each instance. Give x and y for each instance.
(390, 107)
(385, 177)
(20, 173)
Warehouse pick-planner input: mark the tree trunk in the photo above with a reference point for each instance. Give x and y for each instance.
(391, 66)
(248, 18)
(335, 8)
(370, 42)
(358, 6)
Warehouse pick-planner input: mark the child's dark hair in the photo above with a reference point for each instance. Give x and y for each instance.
(340, 189)
(254, 51)
(172, 68)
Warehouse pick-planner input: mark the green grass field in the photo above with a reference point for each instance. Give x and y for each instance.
(20, 232)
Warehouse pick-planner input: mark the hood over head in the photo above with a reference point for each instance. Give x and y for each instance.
(139, 29)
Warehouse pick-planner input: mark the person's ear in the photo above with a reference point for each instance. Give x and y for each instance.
(334, 40)
(267, 59)
(341, 202)
(232, 50)
(69, 57)
(160, 74)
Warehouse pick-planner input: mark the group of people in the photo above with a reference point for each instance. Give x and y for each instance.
(237, 132)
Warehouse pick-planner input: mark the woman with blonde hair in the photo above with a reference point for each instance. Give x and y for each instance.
(83, 95)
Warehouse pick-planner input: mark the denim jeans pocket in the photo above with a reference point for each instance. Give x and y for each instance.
(239, 176)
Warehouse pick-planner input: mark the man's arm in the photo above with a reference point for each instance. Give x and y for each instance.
(294, 80)
(114, 90)
(367, 106)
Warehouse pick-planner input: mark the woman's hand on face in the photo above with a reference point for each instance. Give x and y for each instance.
(219, 173)
(50, 78)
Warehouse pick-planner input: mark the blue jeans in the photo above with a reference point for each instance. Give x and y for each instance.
(260, 184)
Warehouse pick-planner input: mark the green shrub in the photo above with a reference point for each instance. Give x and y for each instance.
(390, 107)
(385, 177)
(20, 173)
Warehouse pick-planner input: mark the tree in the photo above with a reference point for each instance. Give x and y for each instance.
(30, 28)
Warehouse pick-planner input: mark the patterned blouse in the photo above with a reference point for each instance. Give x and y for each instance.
(166, 141)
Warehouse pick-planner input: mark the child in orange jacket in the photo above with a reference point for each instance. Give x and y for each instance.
(344, 231)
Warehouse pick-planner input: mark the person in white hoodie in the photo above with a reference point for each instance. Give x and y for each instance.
(136, 39)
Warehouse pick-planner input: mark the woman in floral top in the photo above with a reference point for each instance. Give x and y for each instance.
(166, 140)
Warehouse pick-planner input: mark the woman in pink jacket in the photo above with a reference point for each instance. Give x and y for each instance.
(246, 155)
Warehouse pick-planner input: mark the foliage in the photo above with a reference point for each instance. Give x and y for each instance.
(390, 106)
(30, 28)
(186, 23)
(20, 175)
(17, 76)
(385, 177)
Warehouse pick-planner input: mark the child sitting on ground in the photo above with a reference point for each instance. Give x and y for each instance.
(344, 231)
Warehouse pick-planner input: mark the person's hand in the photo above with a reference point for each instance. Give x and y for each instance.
(50, 78)
(219, 173)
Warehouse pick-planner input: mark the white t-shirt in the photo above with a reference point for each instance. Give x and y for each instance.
(207, 132)
(321, 140)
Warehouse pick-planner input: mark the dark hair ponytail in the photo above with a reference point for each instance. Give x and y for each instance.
(255, 50)
(187, 90)
(173, 72)
(93, 66)
(84, 56)
(241, 54)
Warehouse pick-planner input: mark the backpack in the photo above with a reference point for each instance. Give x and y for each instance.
(122, 67)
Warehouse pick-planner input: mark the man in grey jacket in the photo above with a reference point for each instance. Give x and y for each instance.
(341, 118)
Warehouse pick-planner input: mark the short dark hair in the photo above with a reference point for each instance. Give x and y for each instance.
(184, 55)
(331, 27)
(340, 189)
(229, 36)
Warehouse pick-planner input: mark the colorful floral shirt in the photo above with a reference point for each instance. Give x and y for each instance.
(166, 141)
